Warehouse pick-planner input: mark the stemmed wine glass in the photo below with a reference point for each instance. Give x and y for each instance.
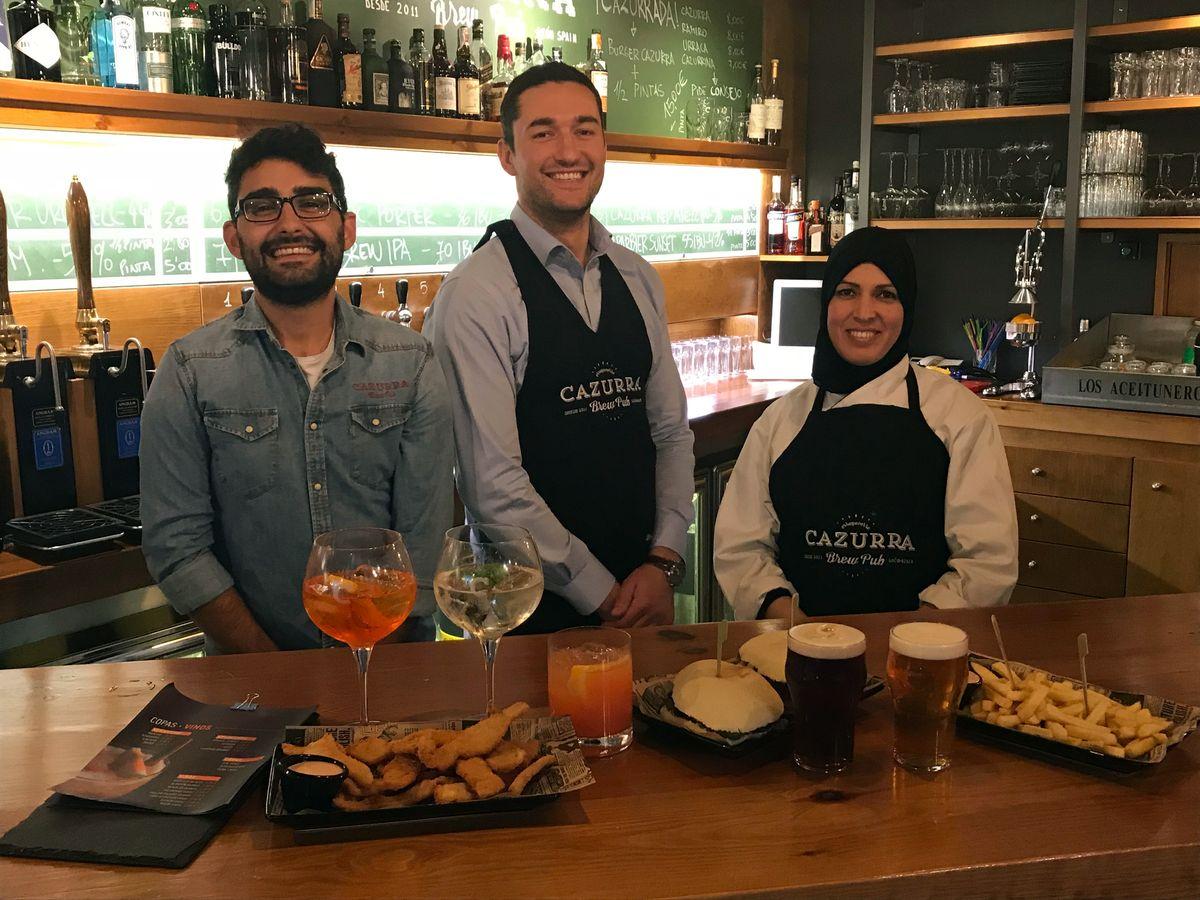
(1160, 200)
(489, 581)
(358, 588)
(898, 93)
(945, 195)
(1189, 197)
(920, 203)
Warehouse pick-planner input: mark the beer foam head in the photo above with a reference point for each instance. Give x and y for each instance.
(826, 640)
(928, 640)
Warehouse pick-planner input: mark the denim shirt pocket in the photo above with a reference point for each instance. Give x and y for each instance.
(375, 430)
(245, 450)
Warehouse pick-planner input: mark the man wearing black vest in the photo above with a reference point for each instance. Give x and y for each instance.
(569, 415)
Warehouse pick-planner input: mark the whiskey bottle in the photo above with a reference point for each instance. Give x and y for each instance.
(402, 82)
(322, 59)
(776, 213)
(466, 76)
(817, 237)
(793, 221)
(773, 109)
(375, 84)
(251, 26)
(349, 66)
(836, 214)
(445, 92)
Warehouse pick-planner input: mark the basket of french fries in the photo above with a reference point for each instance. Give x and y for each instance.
(1045, 715)
(414, 771)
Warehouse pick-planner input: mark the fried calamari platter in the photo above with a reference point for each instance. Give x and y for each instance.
(412, 771)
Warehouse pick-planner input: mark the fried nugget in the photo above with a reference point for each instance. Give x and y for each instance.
(371, 750)
(507, 757)
(453, 792)
(351, 804)
(528, 774)
(398, 774)
(410, 744)
(329, 748)
(423, 789)
(483, 781)
(478, 740)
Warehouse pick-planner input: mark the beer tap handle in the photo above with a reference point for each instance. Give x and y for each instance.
(403, 314)
(31, 380)
(356, 294)
(79, 225)
(5, 301)
(23, 337)
(247, 293)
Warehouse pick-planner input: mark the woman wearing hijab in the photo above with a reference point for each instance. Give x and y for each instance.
(878, 486)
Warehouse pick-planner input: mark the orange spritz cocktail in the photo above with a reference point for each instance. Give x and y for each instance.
(590, 679)
(362, 607)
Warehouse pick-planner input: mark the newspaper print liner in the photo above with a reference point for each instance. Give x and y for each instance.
(1184, 718)
(569, 772)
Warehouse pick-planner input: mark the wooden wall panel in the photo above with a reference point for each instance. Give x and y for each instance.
(1177, 283)
(710, 288)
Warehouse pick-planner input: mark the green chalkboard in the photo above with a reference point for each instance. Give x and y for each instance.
(675, 69)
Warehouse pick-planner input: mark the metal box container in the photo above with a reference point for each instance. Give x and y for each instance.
(1073, 377)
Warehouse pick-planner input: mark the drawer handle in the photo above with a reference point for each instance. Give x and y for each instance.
(1037, 471)
(1035, 518)
(1157, 486)
(1032, 564)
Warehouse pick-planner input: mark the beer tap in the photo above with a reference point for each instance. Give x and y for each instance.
(31, 380)
(356, 294)
(247, 293)
(14, 338)
(401, 315)
(93, 328)
(118, 371)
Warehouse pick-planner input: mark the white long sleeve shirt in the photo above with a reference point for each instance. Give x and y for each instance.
(479, 329)
(981, 518)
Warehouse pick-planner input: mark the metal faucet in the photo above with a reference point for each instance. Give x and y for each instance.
(401, 315)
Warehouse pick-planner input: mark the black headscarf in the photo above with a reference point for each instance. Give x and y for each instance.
(889, 251)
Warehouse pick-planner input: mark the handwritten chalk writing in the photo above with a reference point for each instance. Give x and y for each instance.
(452, 13)
(654, 12)
(693, 12)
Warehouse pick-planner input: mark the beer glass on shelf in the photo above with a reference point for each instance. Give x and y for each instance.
(358, 588)
(926, 671)
(488, 581)
(826, 671)
(589, 677)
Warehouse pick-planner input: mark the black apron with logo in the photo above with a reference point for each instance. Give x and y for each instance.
(581, 418)
(861, 496)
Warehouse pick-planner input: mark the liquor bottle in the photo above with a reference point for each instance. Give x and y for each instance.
(288, 59)
(773, 108)
(818, 235)
(349, 66)
(74, 30)
(114, 43)
(776, 212)
(319, 39)
(481, 57)
(441, 73)
(36, 53)
(154, 46)
(190, 61)
(466, 75)
(6, 60)
(852, 200)
(417, 58)
(225, 53)
(402, 81)
(756, 121)
(596, 69)
(251, 27)
(836, 214)
(793, 221)
(375, 84)
(556, 54)
(519, 64)
(534, 53)
(502, 76)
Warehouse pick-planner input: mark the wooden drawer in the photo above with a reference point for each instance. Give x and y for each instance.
(1076, 523)
(1073, 570)
(1023, 593)
(1081, 476)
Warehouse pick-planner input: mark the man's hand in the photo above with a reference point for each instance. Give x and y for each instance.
(231, 625)
(644, 598)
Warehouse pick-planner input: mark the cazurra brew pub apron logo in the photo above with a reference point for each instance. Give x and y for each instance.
(607, 393)
(857, 544)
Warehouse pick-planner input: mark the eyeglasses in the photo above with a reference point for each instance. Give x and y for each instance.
(309, 205)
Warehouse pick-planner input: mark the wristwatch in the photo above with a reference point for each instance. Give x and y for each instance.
(672, 569)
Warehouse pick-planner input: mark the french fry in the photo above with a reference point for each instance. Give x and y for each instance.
(1126, 733)
(1073, 709)
(1008, 721)
(987, 705)
(1027, 711)
(1137, 748)
(976, 708)
(1064, 693)
(1153, 727)
(1035, 729)
(1092, 734)
(1114, 750)
(991, 680)
(1058, 731)
(1159, 737)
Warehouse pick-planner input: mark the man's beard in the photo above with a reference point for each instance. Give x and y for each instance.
(299, 289)
(543, 205)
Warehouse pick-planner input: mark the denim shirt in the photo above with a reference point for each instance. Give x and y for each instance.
(242, 465)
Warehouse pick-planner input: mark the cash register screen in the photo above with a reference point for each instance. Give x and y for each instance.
(795, 313)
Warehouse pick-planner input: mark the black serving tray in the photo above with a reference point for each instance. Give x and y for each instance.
(63, 530)
(126, 510)
(1045, 749)
(423, 812)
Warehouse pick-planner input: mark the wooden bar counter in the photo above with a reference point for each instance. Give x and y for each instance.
(665, 819)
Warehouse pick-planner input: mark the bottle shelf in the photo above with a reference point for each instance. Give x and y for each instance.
(1142, 223)
(963, 224)
(981, 114)
(1141, 105)
(785, 258)
(48, 105)
(974, 42)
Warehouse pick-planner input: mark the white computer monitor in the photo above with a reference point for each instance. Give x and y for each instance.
(795, 312)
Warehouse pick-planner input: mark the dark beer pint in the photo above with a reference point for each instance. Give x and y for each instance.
(926, 670)
(826, 672)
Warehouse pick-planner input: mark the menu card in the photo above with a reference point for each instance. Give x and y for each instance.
(181, 756)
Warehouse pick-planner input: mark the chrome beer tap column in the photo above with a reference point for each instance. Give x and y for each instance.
(402, 315)
(14, 337)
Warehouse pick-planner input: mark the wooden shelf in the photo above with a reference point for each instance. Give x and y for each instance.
(974, 42)
(1142, 105)
(963, 224)
(982, 114)
(1169, 27)
(33, 104)
(782, 258)
(1142, 223)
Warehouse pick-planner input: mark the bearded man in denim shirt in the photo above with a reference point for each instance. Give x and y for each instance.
(291, 416)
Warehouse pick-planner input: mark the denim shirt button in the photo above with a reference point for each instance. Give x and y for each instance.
(312, 426)
(249, 429)
(375, 422)
(316, 485)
